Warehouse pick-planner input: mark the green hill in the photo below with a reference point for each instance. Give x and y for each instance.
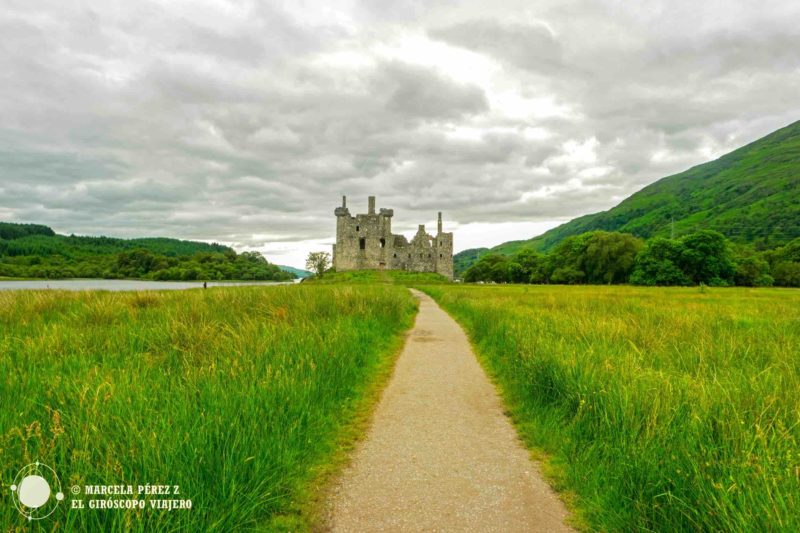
(298, 272)
(36, 251)
(750, 195)
(465, 258)
(35, 239)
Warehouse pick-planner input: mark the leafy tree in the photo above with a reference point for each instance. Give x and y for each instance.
(658, 264)
(787, 274)
(527, 266)
(135, 264)
(318, 262)
(500, 272)
(190, 274)
(610, 256)
(706, 258)
(594, 257)
(752, 271)
(566, 263)
(491, 267)
(791, 252)
(785, 264)
(568, 275)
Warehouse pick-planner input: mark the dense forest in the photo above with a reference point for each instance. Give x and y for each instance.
(36, 251)
(600, 257)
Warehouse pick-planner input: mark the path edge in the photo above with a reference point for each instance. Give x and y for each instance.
(550, 470)
(312, 504)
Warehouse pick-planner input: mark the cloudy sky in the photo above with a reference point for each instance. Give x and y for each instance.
(245, 122)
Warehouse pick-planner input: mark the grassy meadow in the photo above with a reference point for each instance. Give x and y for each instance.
(661, 409)
(238, 395)
(391, 277)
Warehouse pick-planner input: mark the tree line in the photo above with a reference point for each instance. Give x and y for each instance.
(144, 264)
(36, 251)
(11, 230)
(603, 257)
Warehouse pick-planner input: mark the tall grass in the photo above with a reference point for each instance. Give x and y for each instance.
(235, 394)
(662, 409)
(397, 277)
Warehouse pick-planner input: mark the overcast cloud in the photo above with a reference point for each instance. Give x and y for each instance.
(245, 122)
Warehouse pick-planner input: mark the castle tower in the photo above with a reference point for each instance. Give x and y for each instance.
(444, 250)
(341, 249)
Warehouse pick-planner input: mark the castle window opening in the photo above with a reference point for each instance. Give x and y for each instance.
(362, 243)
(383, 243)
(440, 256)
(358, 228)
(394, 255)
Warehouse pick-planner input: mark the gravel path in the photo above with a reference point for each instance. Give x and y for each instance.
(440, 454)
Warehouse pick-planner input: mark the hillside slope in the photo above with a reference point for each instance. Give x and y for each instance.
(750, 195)
(465, 258)
(36, 251)
(298, 272)
(36, 239)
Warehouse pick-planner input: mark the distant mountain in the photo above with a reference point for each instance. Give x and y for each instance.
(299, 272)
(750, 195)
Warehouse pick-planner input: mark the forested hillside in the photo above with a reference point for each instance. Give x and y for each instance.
(36, 251)
(466, 258)
(751, 195)
(298, 272)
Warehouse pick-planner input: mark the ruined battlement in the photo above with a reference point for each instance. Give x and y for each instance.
(366, 242)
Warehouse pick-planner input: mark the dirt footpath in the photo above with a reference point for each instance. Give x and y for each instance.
(440, 454)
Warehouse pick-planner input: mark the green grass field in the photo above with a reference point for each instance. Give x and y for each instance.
(392, 277)
(240, 396)
(660, 409)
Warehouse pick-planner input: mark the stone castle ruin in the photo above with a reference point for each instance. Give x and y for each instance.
(366, 242)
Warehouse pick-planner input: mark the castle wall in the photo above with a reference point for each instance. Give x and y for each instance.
(444, 261)
(366, 242)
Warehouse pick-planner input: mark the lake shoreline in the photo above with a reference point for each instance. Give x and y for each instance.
(85, 284)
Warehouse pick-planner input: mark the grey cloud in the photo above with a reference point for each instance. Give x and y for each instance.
(419, 92)
(242, 124)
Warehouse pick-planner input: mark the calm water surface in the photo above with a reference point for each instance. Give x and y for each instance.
(124, 284)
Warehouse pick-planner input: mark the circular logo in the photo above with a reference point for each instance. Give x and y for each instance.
(33, 490)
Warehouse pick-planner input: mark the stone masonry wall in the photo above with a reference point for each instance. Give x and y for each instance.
(366, 242)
